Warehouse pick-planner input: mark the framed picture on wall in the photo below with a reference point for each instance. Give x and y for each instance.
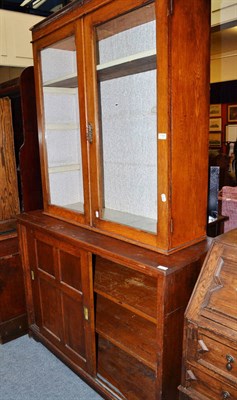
(232, 113)
(215, 110)
(231, 133)
(214, 124)
(215, 139)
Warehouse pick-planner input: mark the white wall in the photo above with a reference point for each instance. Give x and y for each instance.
(224, 62)
(15, 38)
(224, 67)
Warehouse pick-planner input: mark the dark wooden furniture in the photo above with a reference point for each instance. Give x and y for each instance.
(111, 261)
(21, 93)
(13, 321)
(210, 337)
(216, 227)
(112, 311)
(20, 191)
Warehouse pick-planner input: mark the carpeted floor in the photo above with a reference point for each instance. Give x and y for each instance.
(28, 371)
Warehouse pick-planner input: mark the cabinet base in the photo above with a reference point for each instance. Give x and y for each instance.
(14, 328)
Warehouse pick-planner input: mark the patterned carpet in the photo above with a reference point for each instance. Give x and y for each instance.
(28, 371)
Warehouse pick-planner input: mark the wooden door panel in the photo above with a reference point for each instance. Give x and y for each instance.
(45, 257)
(50, 309)
(70, 270)
(74, 325)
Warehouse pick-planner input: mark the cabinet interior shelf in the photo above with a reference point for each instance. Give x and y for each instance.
(64, 168)
(68, 81)
(135, 291)
(140, 62)
(126, 330)
(62, 127)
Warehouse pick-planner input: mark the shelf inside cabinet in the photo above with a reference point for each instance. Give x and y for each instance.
(69, 81)
(62, 127)
(140, 62)
(131, 289)
(123, 373)
(126, 330)
(64, 168)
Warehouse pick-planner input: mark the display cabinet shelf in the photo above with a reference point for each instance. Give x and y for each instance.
(135, 290)
(68, 82)
(62, 127)
(140, 384)
(64, 168)
(121, 326)
(141, 62)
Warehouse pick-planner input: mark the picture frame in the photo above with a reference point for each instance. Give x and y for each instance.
(231, 133)
(215, 139)
(215, 124)
(232, 113)
(215, 110)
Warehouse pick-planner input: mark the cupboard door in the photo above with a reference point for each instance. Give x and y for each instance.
(63, 154)
(122, 59)
(62, 298)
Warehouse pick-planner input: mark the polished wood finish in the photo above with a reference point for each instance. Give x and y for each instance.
(105, 297)
(111, 310)
(21, 92)
(13, 321)
(183, 104)
(210, 336)
(9, 206)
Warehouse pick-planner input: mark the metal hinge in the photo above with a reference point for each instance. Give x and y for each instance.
(86, 313)
(89, 133)
(32, 275)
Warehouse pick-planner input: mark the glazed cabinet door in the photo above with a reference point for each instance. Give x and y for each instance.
(63, 131)
(121, 60)
(59, 289)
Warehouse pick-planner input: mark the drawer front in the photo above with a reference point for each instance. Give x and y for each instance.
(200, 385)
(217, 356)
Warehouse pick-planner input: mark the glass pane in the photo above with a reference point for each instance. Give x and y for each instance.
(127, 93)
(62, 126)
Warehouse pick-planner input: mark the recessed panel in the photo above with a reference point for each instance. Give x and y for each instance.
(45, 257)
(70, 270)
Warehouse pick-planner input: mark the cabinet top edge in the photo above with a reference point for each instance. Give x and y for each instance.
(149, 261)
(76, 9)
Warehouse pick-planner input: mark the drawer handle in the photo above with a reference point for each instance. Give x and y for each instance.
(230, 361)
(225, 395)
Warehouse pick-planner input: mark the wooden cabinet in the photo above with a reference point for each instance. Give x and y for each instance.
(210, 339)
(20, 191)
(122, 98)
(13, 320)
(61, 294)
(111, 310)
(119, 109)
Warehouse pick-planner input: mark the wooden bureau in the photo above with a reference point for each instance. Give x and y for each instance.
(210, 335)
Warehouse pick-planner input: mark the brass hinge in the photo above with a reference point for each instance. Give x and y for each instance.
(32, 275)
(86, 313)
(89, 133)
